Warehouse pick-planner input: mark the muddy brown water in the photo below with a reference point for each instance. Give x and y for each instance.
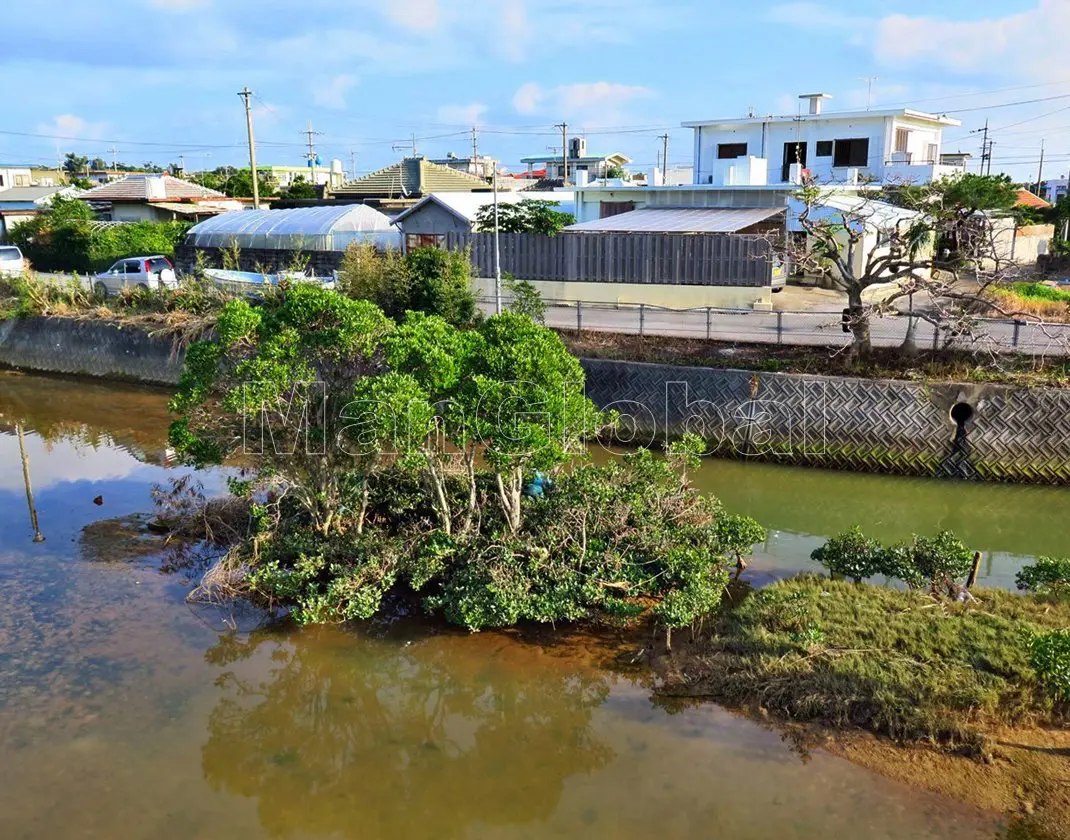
(126, 714)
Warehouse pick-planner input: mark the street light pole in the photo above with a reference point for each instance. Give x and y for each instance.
(497, 252)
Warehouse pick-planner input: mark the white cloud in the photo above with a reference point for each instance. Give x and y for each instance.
(70, 125)
(514, 35)
(814, 16)
(421, 15)
(589, 104)
(332, 93)
(528, 98)
(1030, 43)
(178, 5)
(466, 115)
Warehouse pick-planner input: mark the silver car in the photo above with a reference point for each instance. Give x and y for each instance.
(11, 262)
(154, 272)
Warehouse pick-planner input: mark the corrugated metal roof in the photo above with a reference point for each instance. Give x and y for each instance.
(136, 188)
(860, 211)
(680, 220)
(28, 193)
(195, 209)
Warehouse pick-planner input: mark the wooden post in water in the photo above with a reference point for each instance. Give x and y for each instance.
(971, 581)
(37, 535)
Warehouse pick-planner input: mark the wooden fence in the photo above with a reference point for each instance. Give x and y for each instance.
(701, 259)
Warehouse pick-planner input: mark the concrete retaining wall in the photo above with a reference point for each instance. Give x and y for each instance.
(1006, 433)
(89, 348)
(990, 432)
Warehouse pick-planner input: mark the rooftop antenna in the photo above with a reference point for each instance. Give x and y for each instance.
(869, 80)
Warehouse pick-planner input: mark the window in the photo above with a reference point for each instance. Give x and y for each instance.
(1, 180)
(615, 208)
(933, 153)
(824, 148)
(852, 152)
(133, 266)
(727, 151)
(423, 240)
(902, 140)
(20, 181)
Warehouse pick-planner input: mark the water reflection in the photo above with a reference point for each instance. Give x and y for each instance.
(375, 739)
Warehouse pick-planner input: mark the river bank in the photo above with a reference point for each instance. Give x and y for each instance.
(936, 693)
(174, 719)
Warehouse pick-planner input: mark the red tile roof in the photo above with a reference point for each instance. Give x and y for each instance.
(137, 188)
(1027, 199)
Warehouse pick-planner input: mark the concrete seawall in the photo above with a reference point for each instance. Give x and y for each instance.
(988, 432)
(89, 348)
(974, 431)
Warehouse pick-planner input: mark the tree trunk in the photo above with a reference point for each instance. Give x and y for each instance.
(859, 322)
(473, 500)
(363, 507)
(441, 504)
(510, 497)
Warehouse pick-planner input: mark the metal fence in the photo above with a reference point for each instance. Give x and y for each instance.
(704, 259)
(818, 329)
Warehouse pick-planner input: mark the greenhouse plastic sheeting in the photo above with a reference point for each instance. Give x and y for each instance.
(331, 228)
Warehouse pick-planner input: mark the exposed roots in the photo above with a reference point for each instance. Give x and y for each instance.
(225, 581)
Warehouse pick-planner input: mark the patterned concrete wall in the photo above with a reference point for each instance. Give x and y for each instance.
(88, 348)
(1006, 433)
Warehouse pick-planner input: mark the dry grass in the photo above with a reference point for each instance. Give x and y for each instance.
(1048, 310)
(881, 363)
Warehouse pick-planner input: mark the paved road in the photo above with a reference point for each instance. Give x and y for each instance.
(820, 329)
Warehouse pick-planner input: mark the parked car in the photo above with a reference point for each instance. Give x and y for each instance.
(12, 263)
(780, 274)
(141, 272)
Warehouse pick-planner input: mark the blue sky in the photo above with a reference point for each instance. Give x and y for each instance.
(156, 78)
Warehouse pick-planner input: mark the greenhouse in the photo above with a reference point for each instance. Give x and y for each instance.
(331, 228)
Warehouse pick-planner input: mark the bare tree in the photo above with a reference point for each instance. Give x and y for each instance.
(946, 241)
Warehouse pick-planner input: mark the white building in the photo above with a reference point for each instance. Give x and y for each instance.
(578, 161)
(885, 146)
(13, 175)
(1054, 190)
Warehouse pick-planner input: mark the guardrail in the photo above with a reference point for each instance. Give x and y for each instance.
(804, 328)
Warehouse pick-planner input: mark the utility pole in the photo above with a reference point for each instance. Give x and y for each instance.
(984, 146)
(353, 164)
(245, 94)
(564, 152)
(474, 168)
(497, 251)
(665, 158)
(114, 152)
(413, 138)
(1040, 171)
(182, 165)
(311, 155)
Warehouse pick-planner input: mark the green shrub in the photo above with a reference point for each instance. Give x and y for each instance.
(427, 280)
(1050, 656)
(66, 239)
(1048, 574)
(938, 560)
(851, 554)
(1042, 292)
